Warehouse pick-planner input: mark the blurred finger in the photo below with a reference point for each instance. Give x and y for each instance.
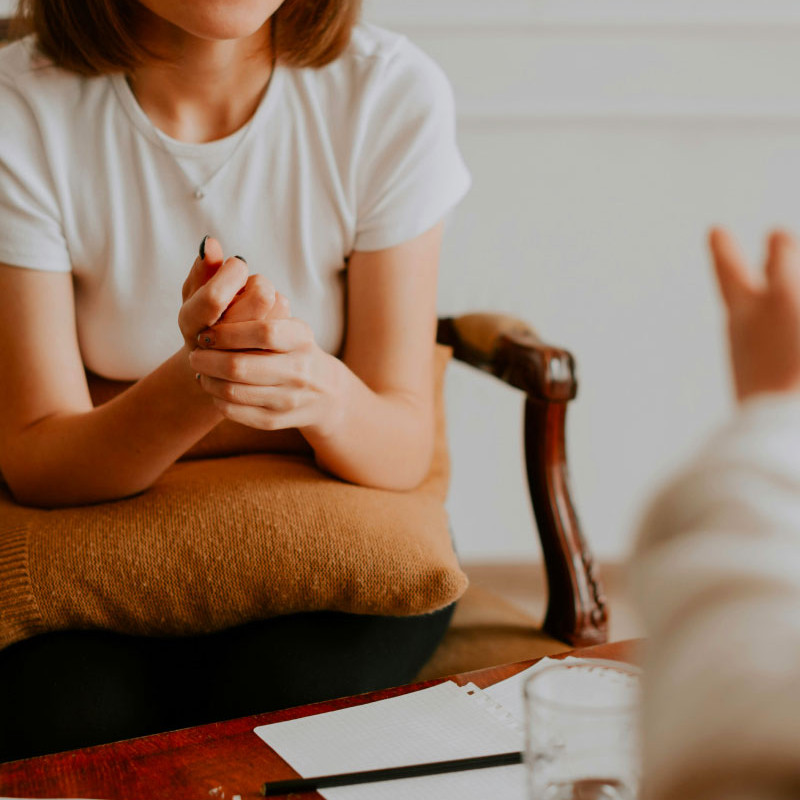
(733, 277)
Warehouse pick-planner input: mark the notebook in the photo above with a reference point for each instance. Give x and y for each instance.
(442, 722)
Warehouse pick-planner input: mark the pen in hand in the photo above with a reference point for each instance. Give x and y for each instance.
(275, 788)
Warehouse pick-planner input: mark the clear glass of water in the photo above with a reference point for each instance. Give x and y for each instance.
(582, 737)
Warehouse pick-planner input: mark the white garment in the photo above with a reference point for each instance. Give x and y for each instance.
(358, 155)
(716, 576)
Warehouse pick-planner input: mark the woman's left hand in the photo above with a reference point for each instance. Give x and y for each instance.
(269, 374)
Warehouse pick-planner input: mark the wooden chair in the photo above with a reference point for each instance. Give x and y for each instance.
(487, 630)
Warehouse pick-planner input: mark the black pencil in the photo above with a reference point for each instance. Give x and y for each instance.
(274, 788)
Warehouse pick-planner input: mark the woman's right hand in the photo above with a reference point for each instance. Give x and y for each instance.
(210, 288)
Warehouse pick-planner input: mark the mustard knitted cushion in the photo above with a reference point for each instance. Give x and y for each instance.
(219, 542)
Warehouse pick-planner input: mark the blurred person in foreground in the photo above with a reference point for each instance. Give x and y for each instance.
(716, 571)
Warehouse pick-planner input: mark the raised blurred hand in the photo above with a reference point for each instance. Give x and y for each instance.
(763, 314)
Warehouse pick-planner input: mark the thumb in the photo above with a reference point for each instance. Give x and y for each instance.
(733, 277)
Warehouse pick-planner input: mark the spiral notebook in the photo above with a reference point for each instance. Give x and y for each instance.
(442, 722)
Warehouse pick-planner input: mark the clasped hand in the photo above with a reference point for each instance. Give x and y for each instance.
(261, 367)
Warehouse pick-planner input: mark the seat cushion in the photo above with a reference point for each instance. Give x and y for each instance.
(486, 631)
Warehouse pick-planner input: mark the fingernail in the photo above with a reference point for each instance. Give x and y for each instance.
(206, 339)
(197, 376)
(203, 247)
(241, 258)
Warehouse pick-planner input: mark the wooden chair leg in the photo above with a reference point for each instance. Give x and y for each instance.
(576, 610)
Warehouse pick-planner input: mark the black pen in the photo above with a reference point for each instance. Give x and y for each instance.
(274, 788)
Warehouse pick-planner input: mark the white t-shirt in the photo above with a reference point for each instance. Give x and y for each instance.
(358, 155)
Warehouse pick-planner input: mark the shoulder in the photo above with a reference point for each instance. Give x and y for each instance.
(16, 60)
(398, 66)
(38, 99)
(19, 78)
(25, 71)
(31, 81)
(382, 67)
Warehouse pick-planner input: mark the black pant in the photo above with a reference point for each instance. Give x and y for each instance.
(60, 691)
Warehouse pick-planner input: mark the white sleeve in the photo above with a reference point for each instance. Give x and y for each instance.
(410, 173)
(716, 576)
(31, 233)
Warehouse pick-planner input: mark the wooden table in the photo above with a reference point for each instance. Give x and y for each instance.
(209, 762)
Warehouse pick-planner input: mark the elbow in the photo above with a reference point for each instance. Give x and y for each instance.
(28, 493)
(29, 489)
(23, 490)
(402, 471)
(37, 490)
(408, 475)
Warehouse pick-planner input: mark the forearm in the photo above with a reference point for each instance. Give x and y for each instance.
(380, 439)
(115, 450)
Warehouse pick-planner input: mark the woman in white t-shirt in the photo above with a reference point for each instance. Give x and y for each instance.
(323, 150)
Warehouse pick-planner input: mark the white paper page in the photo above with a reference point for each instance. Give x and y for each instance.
(434, 724)
(508, 693)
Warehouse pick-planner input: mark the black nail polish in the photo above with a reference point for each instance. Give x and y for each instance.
(241, 258)
(203, 247)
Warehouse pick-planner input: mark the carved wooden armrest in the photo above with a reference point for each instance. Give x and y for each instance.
(512, 351)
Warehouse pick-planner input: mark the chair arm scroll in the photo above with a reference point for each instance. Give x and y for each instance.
(512, 351)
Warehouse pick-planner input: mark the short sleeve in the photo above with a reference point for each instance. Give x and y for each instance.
(410, 172)
(31, 233)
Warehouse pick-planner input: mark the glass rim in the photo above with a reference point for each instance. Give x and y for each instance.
(561, 705)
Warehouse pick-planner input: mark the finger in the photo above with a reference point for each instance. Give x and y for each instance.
(275, 335)
(281, 309)
(783, 261)
(733, 277)
(256, 301)
(255, 417)
(208, 303)
(208, 261)
(273, 398)
(254, 368)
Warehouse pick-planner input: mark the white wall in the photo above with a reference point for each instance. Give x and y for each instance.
(603, 139)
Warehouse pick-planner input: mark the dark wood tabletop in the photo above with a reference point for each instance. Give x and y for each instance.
(209, 762)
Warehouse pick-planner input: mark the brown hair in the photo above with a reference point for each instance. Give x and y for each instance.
(92, 37)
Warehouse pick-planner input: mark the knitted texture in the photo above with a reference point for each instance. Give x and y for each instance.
(219, 542)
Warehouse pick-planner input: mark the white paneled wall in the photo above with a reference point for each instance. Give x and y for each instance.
(604, 139)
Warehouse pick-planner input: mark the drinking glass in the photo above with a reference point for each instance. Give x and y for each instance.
(582, 739)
